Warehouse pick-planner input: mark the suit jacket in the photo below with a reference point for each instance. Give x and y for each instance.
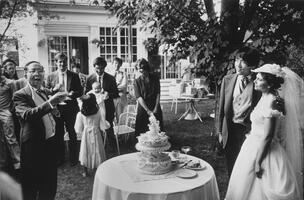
(225, 114)
(32, 133)
(109, 85)
(73, 84)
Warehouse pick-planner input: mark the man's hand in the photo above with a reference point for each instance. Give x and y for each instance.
(220, 138)
(106, 95)
(57, 87)
(58, 97)
(258, 170)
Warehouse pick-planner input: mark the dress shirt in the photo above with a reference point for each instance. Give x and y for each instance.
(48, 120)
(63, 79)
(239, 85)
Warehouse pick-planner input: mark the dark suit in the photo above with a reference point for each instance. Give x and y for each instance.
(233, 133)
(38, 158)
(68, 112)
(109, 85)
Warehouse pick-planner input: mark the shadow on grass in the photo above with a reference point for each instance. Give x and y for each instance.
(72, 186)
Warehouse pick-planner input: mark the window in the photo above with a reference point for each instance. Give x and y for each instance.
(170, 69)
(115, 43)
(55, 44)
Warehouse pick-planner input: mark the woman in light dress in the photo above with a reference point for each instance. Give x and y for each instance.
(91, 123)
(270, 163)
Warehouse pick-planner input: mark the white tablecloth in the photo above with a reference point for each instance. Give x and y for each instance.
(113, 183)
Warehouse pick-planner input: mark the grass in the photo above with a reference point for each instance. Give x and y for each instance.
(72, 186)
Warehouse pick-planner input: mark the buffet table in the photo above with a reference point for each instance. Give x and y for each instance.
(113, 182)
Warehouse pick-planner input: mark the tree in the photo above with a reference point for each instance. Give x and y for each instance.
(12, 11)
(193, 27)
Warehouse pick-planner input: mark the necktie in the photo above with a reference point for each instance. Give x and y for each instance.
(100, 80)
(243, 84)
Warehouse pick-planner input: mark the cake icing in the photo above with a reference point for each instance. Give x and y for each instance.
(152, 144)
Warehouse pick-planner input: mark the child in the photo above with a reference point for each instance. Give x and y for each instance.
(100, 95)
(91, 124)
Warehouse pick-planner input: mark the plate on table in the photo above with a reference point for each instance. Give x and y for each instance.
(185, 173)
(195, 165)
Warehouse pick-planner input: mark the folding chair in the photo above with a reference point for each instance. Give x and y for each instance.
(132, 108)
(125, 126)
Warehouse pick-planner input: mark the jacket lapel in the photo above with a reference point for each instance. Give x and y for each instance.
(69, 79)
(28, 91)
(229, 94)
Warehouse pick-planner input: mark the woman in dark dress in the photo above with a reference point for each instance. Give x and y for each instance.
(147, 93)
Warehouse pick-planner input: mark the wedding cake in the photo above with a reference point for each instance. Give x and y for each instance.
(152, 144)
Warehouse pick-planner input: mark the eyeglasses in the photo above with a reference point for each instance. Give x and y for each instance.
(38, 71)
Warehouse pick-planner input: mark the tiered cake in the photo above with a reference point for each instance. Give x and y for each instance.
(152, 144)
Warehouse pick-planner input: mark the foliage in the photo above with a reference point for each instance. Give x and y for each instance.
(9, 10)
(151, 45)
(192, 28)
(12, 11)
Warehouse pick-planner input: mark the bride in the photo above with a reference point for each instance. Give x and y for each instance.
(270, 163)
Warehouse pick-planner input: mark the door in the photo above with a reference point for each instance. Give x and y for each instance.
(78, 51)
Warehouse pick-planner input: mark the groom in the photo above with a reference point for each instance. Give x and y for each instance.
(237, 100)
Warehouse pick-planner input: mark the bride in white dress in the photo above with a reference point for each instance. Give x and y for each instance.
(270, 163)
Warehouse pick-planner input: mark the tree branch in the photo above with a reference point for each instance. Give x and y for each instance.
(209, 8)
(9, 21)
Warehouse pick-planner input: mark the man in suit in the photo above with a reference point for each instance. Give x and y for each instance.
(237, 99)
(108, 84)
(38, 127)
(66, 80)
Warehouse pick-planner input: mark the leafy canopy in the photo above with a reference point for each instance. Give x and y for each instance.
(193, 28)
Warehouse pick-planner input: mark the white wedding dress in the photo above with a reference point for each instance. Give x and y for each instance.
(278, 181)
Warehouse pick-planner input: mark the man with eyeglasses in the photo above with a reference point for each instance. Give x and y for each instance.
(66, 80)
(38, 129)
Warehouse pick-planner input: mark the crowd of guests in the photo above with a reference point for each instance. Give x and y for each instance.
(258, 125)
(38, 109)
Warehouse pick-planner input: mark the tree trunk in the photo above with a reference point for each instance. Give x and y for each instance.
(209, 8)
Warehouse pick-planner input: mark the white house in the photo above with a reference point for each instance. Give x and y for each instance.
(84, 31)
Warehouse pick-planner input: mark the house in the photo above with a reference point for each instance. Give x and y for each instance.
(84, 30)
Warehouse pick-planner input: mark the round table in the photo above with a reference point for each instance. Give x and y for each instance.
(112, 182)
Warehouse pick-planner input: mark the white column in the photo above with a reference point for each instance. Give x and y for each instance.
(94, 51)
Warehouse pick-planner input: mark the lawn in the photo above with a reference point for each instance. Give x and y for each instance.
(72, 186)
